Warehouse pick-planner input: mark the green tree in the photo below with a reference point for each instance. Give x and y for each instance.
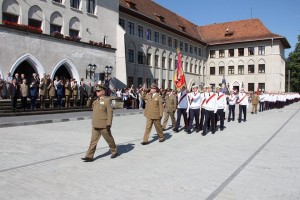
(293, 64)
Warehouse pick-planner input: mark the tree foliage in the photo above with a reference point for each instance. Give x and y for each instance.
(293, 64)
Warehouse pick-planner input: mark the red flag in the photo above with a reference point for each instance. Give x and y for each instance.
(179, 79)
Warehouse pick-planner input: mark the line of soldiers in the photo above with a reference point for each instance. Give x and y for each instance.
(206, 108)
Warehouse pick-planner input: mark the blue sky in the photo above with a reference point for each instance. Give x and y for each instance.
(280, 17)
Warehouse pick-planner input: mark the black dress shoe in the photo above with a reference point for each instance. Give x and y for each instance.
(221, 129)
(114, 155)
(197, 130)
(188, 131)
(144, 143)
(175, 130)
(203, 133)
(162, 140)
(213, 132)
(86, 159)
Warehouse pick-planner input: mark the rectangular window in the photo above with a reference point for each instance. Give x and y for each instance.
(191, 48)
(156, 60)
(55, 28)
(250, 87)
(156, 81)
(212, 53)
(122, 23)
(230, 69)
(250, 51)
(261, 50)
(141, 31)
(241, 51)
(149, 34)
(140, 81)
(199, 52)
(250, 69)
(163, 39)
(196, 69)
(163, 62)
(221, 70)
(149, 59)
(34, 23)
(230, 52)
(175, 43)
(10, 17)
(212, 71)
(148, 82)
(131, 28)
(261, 68)
(91, 6)
(130, 80)
(186, 66)
(213, 86)
(130, 55)
(170, 63)
(181, 45)
(222, 53)
(140, 57)
(156, 37)
(75, 3)
(241, 69)
(195, 50)
(170, 82)
(163, 83)
(170, 39)
(186, 47)
(191, 67)
(73, 32)
(261, 87)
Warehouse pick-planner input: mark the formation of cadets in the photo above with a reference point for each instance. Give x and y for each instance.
(204, 110)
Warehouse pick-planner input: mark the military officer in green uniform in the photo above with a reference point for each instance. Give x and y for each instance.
(170, 104)
(101, 123)
(153, 113)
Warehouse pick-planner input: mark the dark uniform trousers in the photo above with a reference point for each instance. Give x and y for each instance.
(261, 106)
(166, 118)
(158, 128)
(194, 114)
(96, 134)
(209, 120)
(231, 112)
(242, 108)
(202, 118)
(219, 116)
(181, 111)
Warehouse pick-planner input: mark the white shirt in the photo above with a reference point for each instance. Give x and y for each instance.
(221, 101)
(194, 99)
(211, 105)
(232, 99)
(243, 99)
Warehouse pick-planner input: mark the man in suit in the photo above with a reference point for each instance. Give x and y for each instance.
(14, 92)
(153, 113)
(101, 123)
(170, 104)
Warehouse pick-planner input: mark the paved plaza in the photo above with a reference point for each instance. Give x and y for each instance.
(258, 159)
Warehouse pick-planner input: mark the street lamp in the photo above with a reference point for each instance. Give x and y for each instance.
(91, 71)
(108, 70)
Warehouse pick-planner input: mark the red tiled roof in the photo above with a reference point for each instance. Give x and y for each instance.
(214, 34)
(154, 11)
(237, 31)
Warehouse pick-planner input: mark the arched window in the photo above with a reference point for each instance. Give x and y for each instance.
(35, 17)
(74, 27)
(56, 22)
(10, 11)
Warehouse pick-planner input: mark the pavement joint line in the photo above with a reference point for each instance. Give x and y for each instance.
(26, 123)
(217, 191)
(62, 157)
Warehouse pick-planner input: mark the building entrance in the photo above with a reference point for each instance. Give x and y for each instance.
(26, 69)
(63, 73)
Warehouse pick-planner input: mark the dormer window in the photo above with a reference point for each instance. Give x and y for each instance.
(130, 4)
(182, 28)
(228, 33)
(159, 17)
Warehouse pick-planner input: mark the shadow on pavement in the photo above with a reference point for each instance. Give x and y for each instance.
(123, 148)
(155, 137)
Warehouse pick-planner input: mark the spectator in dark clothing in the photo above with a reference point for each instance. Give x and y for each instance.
(33, 95)
(60, 93)
(14, 91)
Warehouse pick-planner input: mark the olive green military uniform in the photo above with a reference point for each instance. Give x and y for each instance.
(68, 93)
(153, 113)
(255, 101)
(101, 123)
(170, 108)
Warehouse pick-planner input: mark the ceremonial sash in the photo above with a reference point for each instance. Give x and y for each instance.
(242, 99)
(181, 98)
(220, 96)
(210, 98)
(203, 102)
